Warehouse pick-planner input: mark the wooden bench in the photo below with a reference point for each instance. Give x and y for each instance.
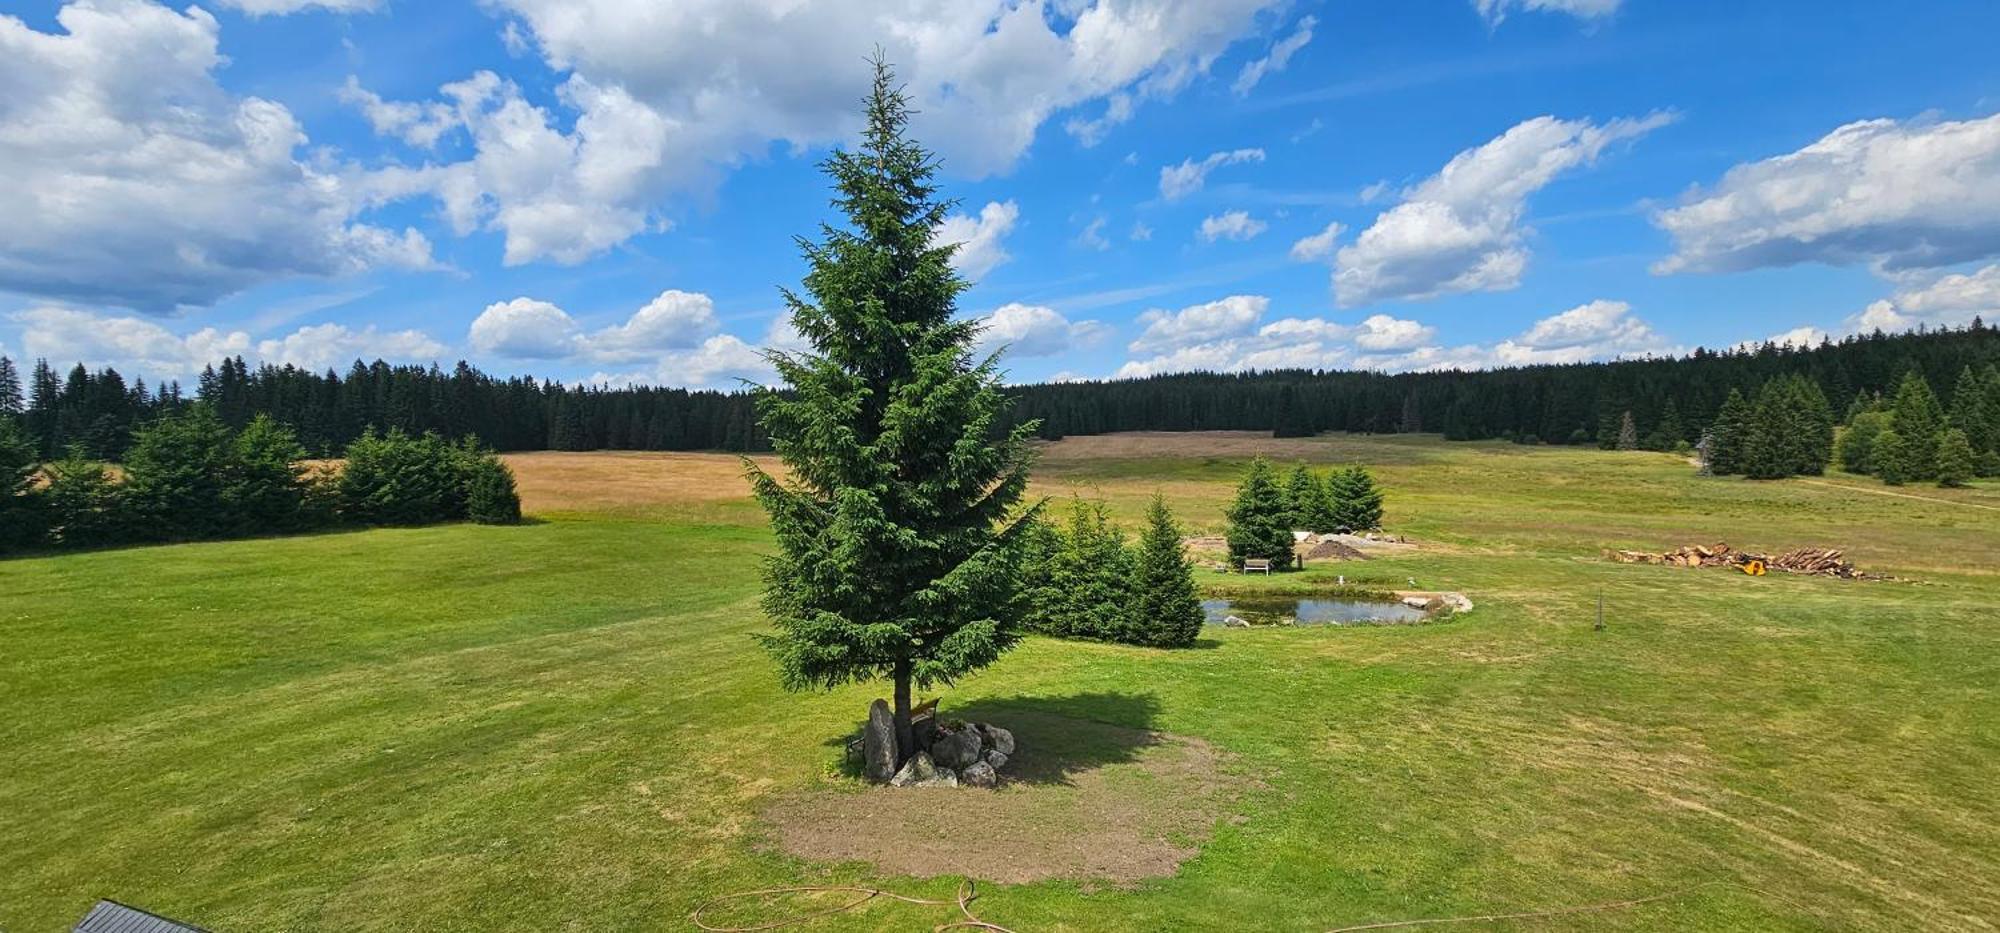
(919, 714)
(1257, 565)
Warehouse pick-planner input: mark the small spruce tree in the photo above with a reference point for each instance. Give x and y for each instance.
(1303, 493)
(1357, 501)
(1857, 442)
(1165, 607)
(1730, 431)
(81, 503)
(1092, 578)
(175, 474)
(264, 491)
(1954, 459)
(1259, 520)
(1968, 410)
(898, 529)
(1890, 457)
(490, 495)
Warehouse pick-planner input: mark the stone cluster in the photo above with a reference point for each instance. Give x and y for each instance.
(952, 753)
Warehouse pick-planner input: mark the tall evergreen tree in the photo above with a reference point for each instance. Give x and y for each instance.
(1260, 520)
(1628, 433)
(898, 531)
(1919, 421)
(1166, 609)
(1730, 431)
(1954, 459)
(1968, 410)
(11, 403)
(1670, 433)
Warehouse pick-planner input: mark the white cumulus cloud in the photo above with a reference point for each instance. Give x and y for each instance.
(1319, 245)
(286, 7)
(1896, 196)
(981, 240)
(1203, 337)
(1949, 301)
(1231, 225)
(133, 179)
(526, 328)
(1033, 330)
(1460, 230)
(1179, 181)
(145, 347)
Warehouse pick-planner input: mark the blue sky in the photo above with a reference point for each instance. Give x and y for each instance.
(607, 190)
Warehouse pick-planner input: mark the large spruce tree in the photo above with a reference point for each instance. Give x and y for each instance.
(899, 527)
(1730, 431)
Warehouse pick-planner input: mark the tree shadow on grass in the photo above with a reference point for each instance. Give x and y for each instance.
(1055, 737)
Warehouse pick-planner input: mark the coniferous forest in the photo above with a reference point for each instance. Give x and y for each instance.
(1664, 402)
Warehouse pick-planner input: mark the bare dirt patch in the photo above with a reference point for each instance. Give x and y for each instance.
(1084, 800)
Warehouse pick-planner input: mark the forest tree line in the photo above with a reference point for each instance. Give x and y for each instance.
(1656, 403)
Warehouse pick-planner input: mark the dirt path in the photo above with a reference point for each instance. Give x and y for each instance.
(1899, 495)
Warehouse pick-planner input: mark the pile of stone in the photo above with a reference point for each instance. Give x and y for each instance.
(952, 753)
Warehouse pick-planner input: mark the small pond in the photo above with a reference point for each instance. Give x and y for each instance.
(1267, 610)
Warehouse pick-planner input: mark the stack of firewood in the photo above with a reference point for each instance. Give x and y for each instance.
(1817, 561)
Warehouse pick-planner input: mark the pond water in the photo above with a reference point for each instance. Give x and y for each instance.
(1311, 611)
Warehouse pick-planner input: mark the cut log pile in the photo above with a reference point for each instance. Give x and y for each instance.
(1825, 562)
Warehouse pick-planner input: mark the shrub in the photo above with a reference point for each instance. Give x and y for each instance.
(1955, 461)
(175, 473)
(1091, 579)
(395, 479)
(21, 523)
(490, 497)
(266, 489)
(82, 504)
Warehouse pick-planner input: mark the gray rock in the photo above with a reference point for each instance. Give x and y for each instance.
(957, 749)
(1001, 740)
(1235, 622)
(996, 758)
(918, 771)
(878, 743)
(980, 775)
(945, 777)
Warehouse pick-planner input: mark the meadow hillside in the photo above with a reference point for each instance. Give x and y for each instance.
(566, 724)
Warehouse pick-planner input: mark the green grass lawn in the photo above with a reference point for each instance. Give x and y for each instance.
(565, 725)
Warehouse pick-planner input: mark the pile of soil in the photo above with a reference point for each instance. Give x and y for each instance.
(1329, 549)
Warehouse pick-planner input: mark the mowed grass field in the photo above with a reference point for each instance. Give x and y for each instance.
(566, 725)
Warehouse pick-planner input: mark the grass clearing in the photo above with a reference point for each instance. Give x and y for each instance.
(566, 724)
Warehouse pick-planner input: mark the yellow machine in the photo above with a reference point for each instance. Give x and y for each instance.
(1754, 568)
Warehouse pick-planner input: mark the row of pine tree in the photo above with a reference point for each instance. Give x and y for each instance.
(188, 476)
(1266, 512)
(1084, 581)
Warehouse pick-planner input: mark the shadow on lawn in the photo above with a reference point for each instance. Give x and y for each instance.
(1056, 737)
